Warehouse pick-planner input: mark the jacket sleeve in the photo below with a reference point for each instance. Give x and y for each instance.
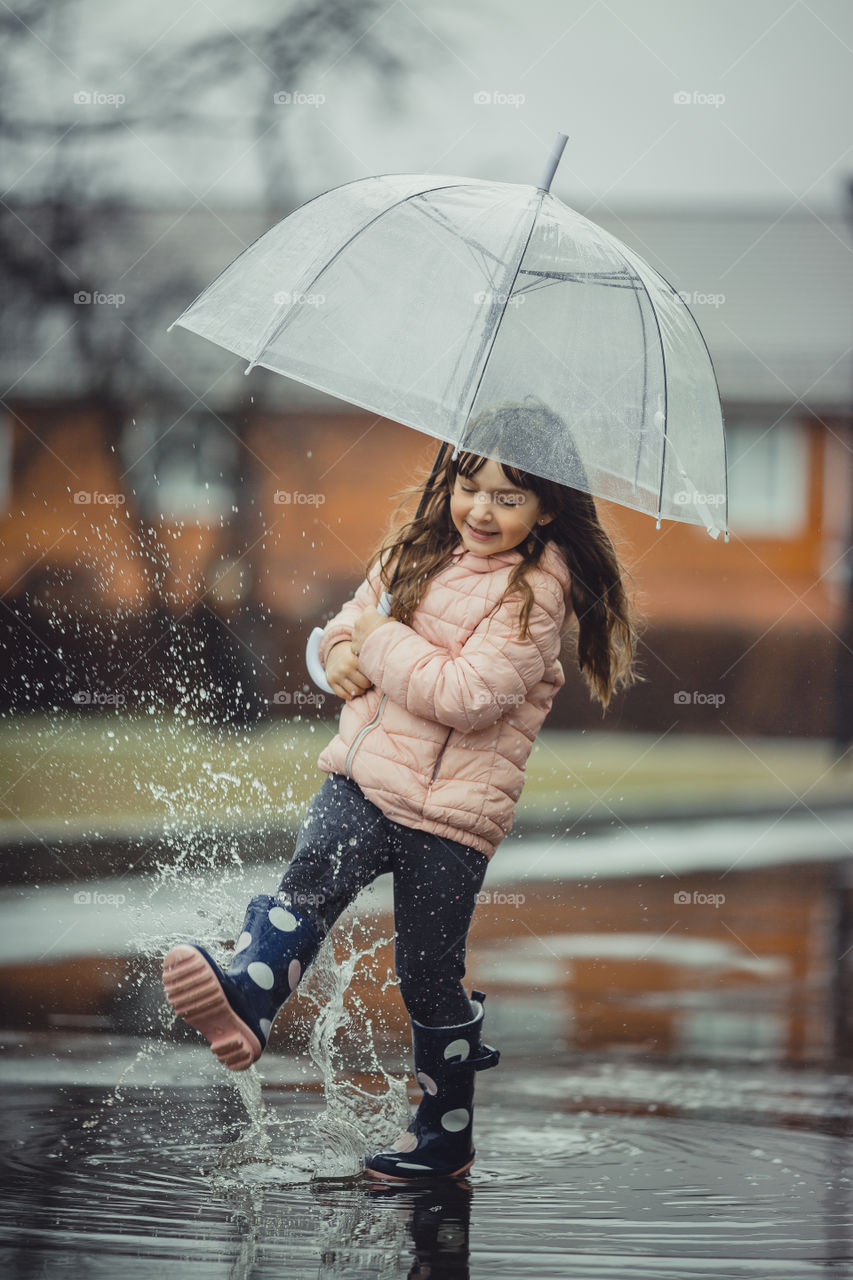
(340, 627)
(493, 672)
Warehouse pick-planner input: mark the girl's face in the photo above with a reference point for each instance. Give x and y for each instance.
(490, 513)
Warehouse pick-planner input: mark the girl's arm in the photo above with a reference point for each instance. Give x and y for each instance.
(340, 627)
(494, 670)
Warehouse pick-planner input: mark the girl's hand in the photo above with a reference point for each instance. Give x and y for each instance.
(369, 621)
(343, 674)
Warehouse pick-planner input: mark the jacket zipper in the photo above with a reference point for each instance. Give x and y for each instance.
(438, 757)
(363, 732)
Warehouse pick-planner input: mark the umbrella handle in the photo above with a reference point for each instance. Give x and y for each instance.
(313, 663)
(312, 648)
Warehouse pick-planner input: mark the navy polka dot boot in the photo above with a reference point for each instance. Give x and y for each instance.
(235, 1009)
(438, 1141)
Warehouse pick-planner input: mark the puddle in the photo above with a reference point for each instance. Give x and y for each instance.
(673, 1100)
(578, 1174)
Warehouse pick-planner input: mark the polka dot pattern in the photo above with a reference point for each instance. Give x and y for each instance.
(261, 974)
(457, 1049)
(283, 920)
(265, 1026)
(428, 1083)
(294, 973)
(455, 1121)
(244, 941)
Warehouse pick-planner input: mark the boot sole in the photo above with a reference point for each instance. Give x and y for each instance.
(390, 1177)
(195, 993)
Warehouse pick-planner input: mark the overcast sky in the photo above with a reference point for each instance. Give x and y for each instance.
(769, 88)
(763, 118)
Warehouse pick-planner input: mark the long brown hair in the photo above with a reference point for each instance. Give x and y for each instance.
(414, 551)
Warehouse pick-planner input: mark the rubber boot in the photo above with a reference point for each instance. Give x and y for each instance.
(234, 1009)
(438, 1142)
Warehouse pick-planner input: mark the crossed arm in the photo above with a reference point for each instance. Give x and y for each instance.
(342, 669)
(493, 671)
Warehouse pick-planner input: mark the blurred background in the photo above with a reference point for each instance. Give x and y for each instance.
(668, 929)
(172, 530)
(168, 522)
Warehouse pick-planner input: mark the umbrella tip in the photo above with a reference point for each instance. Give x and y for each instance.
(553, 161)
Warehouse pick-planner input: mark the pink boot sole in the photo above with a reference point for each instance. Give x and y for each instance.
(389, 1177)
(196, 995)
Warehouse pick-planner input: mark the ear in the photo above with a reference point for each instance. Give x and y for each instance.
(544, 519)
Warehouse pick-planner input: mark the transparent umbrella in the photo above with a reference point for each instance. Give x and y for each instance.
(428, 299)
(431, 300)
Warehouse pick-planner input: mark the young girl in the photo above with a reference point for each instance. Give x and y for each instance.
(442, 703)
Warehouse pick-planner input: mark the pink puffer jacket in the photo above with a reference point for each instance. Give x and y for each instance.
(441, 740)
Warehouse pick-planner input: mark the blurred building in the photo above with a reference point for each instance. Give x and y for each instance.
(187, 510)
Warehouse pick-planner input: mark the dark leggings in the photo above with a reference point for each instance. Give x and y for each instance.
(344, 843)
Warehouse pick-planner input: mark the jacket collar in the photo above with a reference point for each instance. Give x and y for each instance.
(483, 564)
(553, 561)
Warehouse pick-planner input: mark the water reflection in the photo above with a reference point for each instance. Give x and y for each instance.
(756, 962)
(674, 1096)
(578, 1173)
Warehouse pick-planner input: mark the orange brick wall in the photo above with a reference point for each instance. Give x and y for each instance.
(301, 552)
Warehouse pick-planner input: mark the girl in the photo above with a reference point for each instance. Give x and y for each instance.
(442, 703)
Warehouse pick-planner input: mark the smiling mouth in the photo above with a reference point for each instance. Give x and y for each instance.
(481, 533)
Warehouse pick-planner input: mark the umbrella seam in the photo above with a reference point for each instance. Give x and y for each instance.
(496, 329)
(292, 309)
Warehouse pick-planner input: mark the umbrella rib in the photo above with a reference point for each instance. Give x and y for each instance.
(666, 440)
(496, 328)
(617, 248)
(723, 433)
(435, 215)
(249, 247)
(608, 279)
(642, 439)
(279, 325)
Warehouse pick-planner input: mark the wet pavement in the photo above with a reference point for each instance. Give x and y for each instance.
(603, 1169)
(673, 1099)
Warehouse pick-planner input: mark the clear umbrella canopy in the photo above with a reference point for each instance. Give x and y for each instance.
(434, 300)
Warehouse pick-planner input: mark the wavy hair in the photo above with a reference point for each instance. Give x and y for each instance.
(415, 550)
